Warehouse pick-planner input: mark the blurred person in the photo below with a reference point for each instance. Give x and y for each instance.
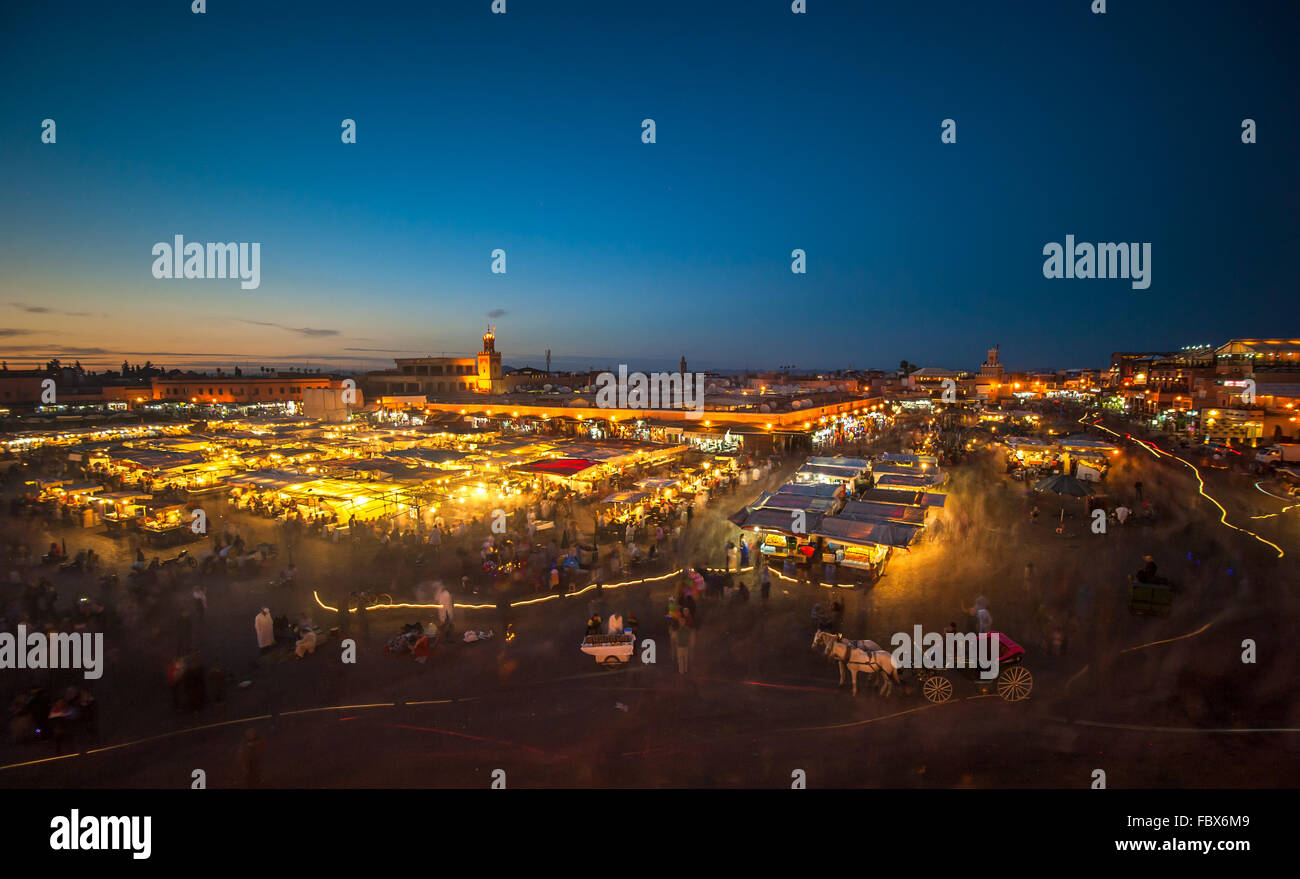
(250, 754)
(306, 642)
(264, 625)
(684, 643)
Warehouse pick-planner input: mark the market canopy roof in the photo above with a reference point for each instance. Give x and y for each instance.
(773, 520)
(154, 459)
(908, 458)
(617, 451)
(840, 461)
(813, 489)
(656, 482)
(125, 496)
(792, 501)
(1029, 442)
(293, 451)
(880, 511)
(563, 467)
(1079, 441)
(840, 530)
(392, 468)
(896, 496)
(426, 456)
(267, 479)
(81, 488)
(829, 472)
(625, 497)
(904, 481)
(899, 469)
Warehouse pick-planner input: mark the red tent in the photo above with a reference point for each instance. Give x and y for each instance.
(558, 466)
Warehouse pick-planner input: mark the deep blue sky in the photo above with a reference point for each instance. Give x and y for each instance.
(522, 131)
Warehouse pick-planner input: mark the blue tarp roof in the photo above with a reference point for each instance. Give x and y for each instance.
(840, 530)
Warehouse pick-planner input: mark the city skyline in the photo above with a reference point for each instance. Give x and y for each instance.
(523, 132)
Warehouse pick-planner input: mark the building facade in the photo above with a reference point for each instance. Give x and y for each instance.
(442, 376)
(245, 390)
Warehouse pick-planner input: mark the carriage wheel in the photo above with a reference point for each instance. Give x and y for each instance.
(1015, 683)
(937, 688)
(612, 661)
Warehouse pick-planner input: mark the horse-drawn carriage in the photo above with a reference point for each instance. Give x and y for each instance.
(1013, 683)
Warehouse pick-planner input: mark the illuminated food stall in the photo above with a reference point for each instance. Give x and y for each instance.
(831, 473)
(776, 527)
(1023, 451)
(862, 545)
(122, 511)
(168, 525)
(580, 474)
(661, 486)
(72, 493)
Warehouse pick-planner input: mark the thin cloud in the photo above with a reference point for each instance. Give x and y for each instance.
(302, 331)
(42, 309)
(497, 312)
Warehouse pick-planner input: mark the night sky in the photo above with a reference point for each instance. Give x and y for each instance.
(523, 132)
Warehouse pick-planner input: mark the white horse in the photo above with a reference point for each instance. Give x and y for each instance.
(859, 656)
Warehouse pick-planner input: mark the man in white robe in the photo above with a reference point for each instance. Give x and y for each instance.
(265, 628)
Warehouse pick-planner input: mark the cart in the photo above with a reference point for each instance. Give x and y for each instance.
(611, 651)
(1149, 599)
(1013, 683)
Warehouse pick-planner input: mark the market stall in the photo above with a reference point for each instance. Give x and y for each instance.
(862, 545)
(122, 511)
(779, 537)
(831, 473)
(168, 525)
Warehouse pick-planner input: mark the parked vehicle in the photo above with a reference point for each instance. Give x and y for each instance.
(1279, 453)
